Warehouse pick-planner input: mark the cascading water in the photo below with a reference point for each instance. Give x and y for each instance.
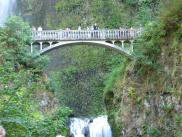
(98, 127)
(6, 7)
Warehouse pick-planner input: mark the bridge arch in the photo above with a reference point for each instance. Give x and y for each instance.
(54, 45)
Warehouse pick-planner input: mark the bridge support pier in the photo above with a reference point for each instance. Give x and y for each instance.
(131, 45)
(50, 43)
(41, 46)
(122, 45)
(31, 47)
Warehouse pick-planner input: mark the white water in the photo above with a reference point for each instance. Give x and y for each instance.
(6, 7)
(98, 128)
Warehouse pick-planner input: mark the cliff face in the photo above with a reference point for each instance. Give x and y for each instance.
(147, 98)
(38, 12)
(147, 106)
(54, 14)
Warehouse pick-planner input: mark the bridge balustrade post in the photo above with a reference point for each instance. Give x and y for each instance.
(86, 35)
(124, 34)
(103, 34)
(127, 34)
(111, 34)
(75, 35)
(98, 34)
(62, 35)
(108, 34)
(80, 34)
(71, 34)
(116, 34)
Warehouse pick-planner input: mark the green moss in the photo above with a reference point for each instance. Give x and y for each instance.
(115, 126)
(179, 134)
(113, 77)
(153, 132)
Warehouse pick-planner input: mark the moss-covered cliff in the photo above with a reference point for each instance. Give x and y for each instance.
(147, 98)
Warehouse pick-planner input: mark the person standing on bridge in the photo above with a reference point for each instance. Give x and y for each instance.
(39, 28)
(33, 28)
(95, 26)
(95, 30)
(121, 30)
(39, 31)
(132, 32)
(79, 28)
(79, 32)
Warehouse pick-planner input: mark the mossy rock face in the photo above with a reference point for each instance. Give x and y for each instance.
(151, 91)
(108, 97)
(116, 125)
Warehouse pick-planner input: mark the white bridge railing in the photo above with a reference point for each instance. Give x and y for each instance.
(74, 35)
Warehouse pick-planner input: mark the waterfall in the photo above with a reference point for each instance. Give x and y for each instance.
(98, 127)
(6, 7)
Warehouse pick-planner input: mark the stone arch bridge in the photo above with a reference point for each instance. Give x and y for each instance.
(120, 40)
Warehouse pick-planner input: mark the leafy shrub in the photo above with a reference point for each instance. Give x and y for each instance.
(153, 132)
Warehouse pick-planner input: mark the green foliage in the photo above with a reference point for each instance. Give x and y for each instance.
(78, 12)
(81, 93)
(15, 27)
(154, 37)
(168, 108)
(153, 132)
(149, 45)
(131, 93)
(116, 128)
(179, 134)
(52, 125)
(178, 120)
(21, 78)
(178, 125)
(32, 127)
(171, 18)
(112, 77)
(79, 79)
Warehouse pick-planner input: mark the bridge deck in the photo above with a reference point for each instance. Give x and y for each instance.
(76, 35)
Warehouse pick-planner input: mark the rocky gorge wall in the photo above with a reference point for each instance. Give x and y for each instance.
(38, 12)
(146, 100)
(142, 108)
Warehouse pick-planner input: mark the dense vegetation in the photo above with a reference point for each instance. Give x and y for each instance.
(23, 86)
(72, 13)
(79, 79)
